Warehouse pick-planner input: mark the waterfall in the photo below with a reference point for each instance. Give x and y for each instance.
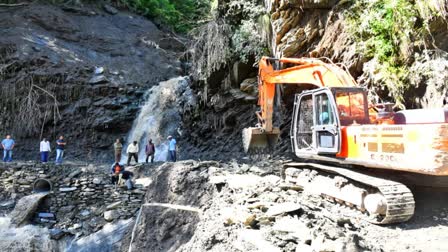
(160, 116)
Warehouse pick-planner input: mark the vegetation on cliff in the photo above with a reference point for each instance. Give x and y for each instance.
(236, 33)
(391, 32)
(182, 15)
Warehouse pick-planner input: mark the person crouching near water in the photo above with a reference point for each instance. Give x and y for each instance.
(150, 150)
(115, 171)
(45, 149)
(127, 177)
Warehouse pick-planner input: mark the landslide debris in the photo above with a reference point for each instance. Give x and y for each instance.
(243, 206)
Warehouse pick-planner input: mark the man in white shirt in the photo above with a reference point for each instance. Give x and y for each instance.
(132, 152)
(44, 150)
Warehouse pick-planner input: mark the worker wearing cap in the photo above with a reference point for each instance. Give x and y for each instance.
(172, 148)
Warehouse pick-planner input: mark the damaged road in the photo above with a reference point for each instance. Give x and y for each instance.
(241, 206)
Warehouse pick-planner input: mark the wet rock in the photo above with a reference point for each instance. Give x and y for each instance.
(7, 204)
(57, 233)
(25, 208)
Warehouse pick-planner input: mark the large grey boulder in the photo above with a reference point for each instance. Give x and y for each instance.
(25, 208)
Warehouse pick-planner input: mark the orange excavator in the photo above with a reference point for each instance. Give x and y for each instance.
(359, 154)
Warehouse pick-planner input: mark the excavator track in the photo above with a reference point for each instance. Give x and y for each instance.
(398, 198)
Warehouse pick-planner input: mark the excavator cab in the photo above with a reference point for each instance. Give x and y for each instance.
(318, 116)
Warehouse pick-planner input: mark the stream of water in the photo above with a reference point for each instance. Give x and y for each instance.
(160, 116)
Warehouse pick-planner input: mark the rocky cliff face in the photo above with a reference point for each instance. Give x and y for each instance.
(313, 28)
(79, 72)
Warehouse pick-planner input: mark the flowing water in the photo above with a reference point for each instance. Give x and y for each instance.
(16, 238)
(107, 239)
(26, 238)
(160, 116)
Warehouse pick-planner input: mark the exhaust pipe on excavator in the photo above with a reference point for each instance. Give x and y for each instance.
(257, 140)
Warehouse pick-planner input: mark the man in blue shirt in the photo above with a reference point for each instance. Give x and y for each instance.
(60, 146)
(172, 148)
(7, 144)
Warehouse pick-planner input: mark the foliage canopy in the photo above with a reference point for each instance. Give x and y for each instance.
(182, 15)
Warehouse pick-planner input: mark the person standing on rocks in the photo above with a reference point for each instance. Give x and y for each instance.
(8, 144)
(118, 147)
(132, 152)
(60, 146)
(150, 150)
(172, 148)
(45, 149)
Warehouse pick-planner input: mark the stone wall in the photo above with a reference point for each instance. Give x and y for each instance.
(82, 199)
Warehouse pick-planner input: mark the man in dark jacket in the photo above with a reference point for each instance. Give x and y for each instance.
(150, 150)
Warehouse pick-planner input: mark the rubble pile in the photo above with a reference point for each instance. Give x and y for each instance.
(252, 211)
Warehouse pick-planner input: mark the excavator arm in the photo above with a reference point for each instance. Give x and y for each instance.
(304, 72)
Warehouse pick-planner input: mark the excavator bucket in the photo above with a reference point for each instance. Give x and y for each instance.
(256, 139)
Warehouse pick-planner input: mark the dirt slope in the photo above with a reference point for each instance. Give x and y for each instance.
(50, 53)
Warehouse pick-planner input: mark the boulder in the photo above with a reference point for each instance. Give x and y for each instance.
(111, 215)
(279, 209)
(25, 208)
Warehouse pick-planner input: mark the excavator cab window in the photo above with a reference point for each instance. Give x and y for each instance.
(324, 113)
(352, 106)
(315, 125)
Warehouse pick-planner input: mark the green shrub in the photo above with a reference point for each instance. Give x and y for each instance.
(386, 30)
(181, 15)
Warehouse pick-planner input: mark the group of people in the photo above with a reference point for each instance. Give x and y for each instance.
(118, 173)
(45, 150)
(8, 145)
(150, 150)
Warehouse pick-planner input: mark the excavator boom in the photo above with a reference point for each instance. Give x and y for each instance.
(304, 72)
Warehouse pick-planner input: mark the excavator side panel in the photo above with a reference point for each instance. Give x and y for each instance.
(417, 148)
